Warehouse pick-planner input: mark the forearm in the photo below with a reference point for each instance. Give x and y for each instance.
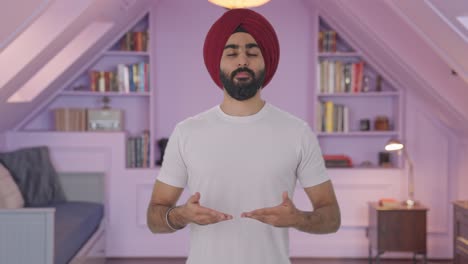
(322, 220)
(156, 219)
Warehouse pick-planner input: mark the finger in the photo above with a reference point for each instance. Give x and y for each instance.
(262, 211)
(263, 218)
(214, 213)
(209, 219)
(194, 198)
(285, 197)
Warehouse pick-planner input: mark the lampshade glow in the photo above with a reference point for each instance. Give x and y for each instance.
(394, 145)
(231, 4)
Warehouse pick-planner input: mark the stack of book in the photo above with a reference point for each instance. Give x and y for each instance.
(138, 150)
(126, 79)
(70, 119)
(340, 77)
(337, 161)
(332, 117)
(134, 41)
(327, 41)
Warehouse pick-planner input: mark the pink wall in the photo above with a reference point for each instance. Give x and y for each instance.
(2, 141)
(183, 84)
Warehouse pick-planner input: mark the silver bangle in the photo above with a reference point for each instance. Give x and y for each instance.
(167, 219)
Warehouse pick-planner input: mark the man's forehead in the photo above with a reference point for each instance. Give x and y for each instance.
(241, 39)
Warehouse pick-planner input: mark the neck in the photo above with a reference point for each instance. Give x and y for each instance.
(251, 106)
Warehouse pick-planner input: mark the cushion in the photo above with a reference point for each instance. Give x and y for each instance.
(35, 175)
(10, 195)
(75, 223)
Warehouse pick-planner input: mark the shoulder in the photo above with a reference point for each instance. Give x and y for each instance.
(197, 121)
(287, 119)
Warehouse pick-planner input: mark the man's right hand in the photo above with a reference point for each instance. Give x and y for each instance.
(193, 212)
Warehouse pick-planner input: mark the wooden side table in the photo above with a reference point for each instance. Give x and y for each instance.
(397, 228)
(460, 232)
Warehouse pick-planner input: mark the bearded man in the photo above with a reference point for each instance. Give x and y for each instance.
(241, 159)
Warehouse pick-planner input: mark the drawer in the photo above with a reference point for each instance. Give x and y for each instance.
(461, 245)
(462, 230)
(461, 215)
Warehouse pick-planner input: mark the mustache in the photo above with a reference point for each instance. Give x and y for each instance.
(244, 69)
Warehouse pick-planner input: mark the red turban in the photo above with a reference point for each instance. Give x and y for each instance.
(252, 22)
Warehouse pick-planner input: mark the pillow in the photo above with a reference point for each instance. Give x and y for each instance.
(35, 175)
(10, 196)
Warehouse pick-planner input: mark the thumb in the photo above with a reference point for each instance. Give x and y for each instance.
(285, 197)
(194, 198)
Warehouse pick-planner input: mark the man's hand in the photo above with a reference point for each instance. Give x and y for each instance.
(193, 212)
(283, 215)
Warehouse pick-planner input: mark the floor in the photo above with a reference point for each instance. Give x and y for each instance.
(294, 261)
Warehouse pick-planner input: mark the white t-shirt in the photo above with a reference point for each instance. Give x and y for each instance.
(239, 164)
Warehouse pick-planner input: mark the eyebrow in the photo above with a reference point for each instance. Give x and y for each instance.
(235, 46)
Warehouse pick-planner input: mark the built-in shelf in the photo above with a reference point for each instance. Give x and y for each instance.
(126, 53)
(358, 134)
(88, 93)
(365, 168)
(360, 94)
(338, 54)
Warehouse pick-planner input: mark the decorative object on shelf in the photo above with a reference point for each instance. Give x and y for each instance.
(337, 161)
(378, 84)
(384, 160)
(80, 88)
(70, 119)
(381, 123)
(366, 164)
(396, 145)
(162, 143)
(105, 119)
(364, 124)
(105, 102)
(231, 4)
(365, 84)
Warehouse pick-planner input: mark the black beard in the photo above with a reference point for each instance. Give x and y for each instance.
(242, 91)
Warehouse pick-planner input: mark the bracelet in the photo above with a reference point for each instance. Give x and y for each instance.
(167, 219)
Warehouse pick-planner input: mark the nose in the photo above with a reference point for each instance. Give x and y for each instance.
(243, 61)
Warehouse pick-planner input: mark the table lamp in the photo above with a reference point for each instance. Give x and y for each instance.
(396, 145)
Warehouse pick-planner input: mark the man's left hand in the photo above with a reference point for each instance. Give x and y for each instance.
(283, 215)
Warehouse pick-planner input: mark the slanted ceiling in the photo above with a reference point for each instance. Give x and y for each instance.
(417, 44)
(410, 53)
(118, 13)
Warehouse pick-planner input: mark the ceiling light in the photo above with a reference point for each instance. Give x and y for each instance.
(464, 21)
(231, 4)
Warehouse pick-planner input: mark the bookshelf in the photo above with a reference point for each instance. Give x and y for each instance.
(356, 109)
(121, 75)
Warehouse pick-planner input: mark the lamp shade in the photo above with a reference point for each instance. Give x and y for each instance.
(394, 145)
(231, 4)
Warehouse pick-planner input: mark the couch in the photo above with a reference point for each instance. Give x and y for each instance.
(45, 227)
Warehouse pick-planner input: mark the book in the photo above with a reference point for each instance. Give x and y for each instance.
(389, 202)
(337, 161)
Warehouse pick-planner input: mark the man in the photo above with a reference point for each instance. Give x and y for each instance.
(241, 159)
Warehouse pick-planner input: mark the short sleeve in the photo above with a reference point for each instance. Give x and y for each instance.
(173, 170)
(311, 169)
